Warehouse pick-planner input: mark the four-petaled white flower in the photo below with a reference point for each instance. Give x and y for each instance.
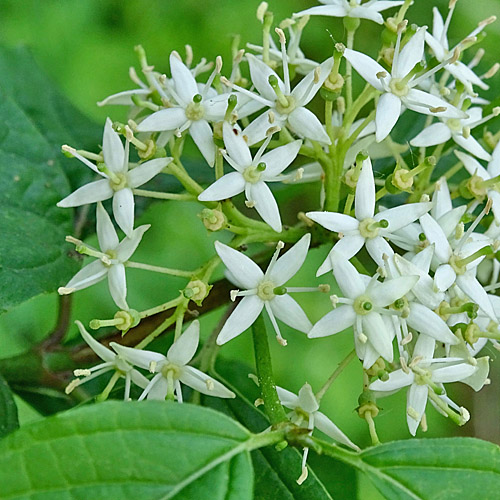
(111, 259)
(422, 377)
(366, 228)
(398, 88)
(264, 290)
(354, 8)
(305, 414)
(364, 303)
(172, 370)
(252, 174)
(112, 362)
(193, 110)
(119, 179)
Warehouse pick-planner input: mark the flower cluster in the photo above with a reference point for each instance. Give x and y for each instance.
(415, 244)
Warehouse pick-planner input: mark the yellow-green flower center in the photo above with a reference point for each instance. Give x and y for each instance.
(265, 290)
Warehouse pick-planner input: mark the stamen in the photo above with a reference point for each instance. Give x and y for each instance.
(189, 55)
(252, 95)
(279, 337)
(279, 246)
(284, 57)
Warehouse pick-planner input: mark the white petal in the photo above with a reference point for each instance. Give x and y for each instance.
(424, 348)
(90, 193)
(381, 5)
(411, 54)
(103, 352)
(123, 210)
(472, 146)
(377, 247)
(138, 357)
(260, 73)
(388, 111)
(112, 149)
(425, 321)
(324, 424)
(438, 26)
(399, 217)
(279, 158)
(287, 310)
(88, 276)
(146, 171)
(124, 98)
(436, 236)
(165, 119)
(238, 264)
(305, 90)
(437, 133)
(106, 234)
(421, 102)
(287, 398)
(203, 137)
(334, 221)
(444, 277)
(417, 400)
(236, 146)
(384, 294)
(307, 400)
(203, 383)
(306, 124)
(266, 205)
(127, 246)
(159, 390)
(227, 186)
(348, 246)
(349, 280)
(472, 165)
(435, 46)
(118, 285)
(441, 199)
(377, 333)
(185, 84)
(181, 352)
(452, 373)
(333, 322)
(215, 108)
(324, 10)
(366, 13)
(466, 75)
(289, 263)
(257, 129)
(243, 317)
(494, 165)
(478, 379)
(365, 192)
(397, 379)
(469, 284)
(366, 67)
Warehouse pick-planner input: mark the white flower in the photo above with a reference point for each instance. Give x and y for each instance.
(119, 179)
(193, 111)
(398, 88)
(252, 174)
(112, 362)
(458, 130)
(354, 8)
(363, 307)
(486, 179)
(111, 259)
(422, 377)
(287, 107)
(438, 42)
(172, 370)
(263, 290)
(305, 414)
(366, 228)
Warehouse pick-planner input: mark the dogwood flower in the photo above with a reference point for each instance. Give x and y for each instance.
(112, 362)
(264, 290)
(398, 87)
(305, 414)
(362, 307)
(422, 377)
(193, 110)
(172, 370)
(366, 228)
(119, 179)
(354, 8)
(252, 174)
(110, 261)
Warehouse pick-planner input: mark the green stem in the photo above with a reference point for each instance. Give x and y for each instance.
(165, 196)
(335, 374)
(272, 404)
(161, 270)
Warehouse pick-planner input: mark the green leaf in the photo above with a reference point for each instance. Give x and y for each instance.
(446, 468)
(118, 450)
(8, 409)
(276, 472)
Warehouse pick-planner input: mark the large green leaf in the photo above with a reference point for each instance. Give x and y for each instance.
(148, 450)
(276, 472)
(8, 409)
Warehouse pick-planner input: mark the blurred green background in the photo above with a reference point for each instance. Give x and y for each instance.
(86, 47)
